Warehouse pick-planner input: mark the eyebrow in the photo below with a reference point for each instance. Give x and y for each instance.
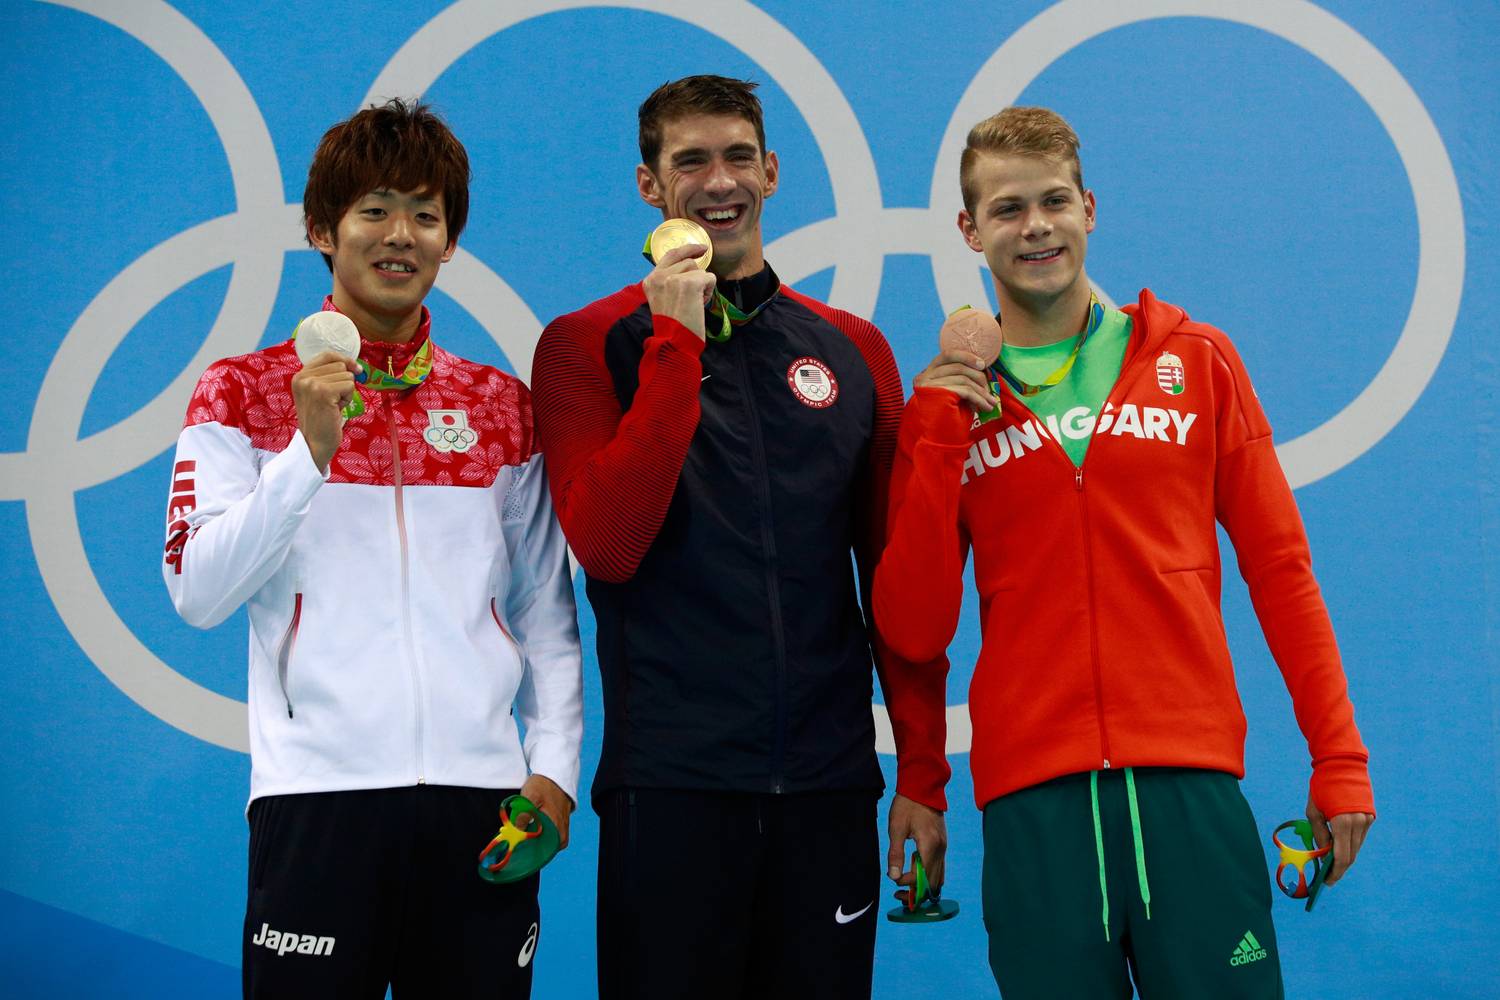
(1060, 189)
(386, 194)
(738, 147)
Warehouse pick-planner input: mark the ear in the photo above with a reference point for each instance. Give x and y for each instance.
(320, 237)
(970, 231)
(649, 187)
(773, 174)
(1090, 212)
(448, 253)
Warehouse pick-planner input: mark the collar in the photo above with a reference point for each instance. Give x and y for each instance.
(382, 356)
(749, 294)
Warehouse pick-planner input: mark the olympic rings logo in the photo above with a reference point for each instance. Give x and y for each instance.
(449, 430)
(854, 241)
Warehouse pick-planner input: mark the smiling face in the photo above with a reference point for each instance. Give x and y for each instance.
(711, 169)
(1031, 222)
(385, 257)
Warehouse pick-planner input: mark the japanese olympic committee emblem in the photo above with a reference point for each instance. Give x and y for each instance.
(1170, 376)
(812, 383)
(448, 430)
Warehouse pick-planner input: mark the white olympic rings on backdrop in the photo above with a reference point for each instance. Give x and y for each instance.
(854, 241)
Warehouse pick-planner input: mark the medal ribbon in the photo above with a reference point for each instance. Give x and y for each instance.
(414, 374)
(730, 315)
(999, 372)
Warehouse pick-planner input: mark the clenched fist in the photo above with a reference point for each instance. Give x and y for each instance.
(320, 391)
(679, 288)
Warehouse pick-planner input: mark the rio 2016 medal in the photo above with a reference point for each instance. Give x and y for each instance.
(674, 233)
(972, 330)
(326, 331)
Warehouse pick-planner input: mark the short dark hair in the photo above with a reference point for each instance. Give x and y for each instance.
(697, 95)
(399, 146)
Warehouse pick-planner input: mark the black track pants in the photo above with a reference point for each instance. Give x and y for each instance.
(706, 894)
(350, 891)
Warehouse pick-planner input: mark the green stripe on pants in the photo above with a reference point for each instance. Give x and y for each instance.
(1209, 932)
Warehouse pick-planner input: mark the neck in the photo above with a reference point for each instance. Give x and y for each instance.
(385, 329)
(732, 270)
(1032, 322)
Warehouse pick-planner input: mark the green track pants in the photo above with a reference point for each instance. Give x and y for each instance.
(1155, 875)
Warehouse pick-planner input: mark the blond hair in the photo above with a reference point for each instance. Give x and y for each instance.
(1038, 132)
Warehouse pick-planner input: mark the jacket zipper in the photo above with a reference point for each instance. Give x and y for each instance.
(1127, 373)
(284, 654)
(1088, 571)
(411, 651)
(773, 585)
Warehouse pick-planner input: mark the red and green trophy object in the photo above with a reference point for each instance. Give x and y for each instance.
(920, 901)
(526, 842)
(1299, 861)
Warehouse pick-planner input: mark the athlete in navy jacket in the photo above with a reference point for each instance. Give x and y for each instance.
(713, 489)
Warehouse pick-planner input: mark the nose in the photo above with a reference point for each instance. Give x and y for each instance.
(1037, 225)
(398, 231)
(720, 180)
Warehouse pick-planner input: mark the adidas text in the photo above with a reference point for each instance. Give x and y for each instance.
(1248, 950)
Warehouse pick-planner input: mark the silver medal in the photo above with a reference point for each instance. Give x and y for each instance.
(326, 331)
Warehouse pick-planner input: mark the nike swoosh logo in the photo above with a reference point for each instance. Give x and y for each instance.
(705, 378)
(844, 918)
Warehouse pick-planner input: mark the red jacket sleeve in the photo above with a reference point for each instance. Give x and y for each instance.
(1256, 507)
(919, 584)
(613, 475)
(915, 692)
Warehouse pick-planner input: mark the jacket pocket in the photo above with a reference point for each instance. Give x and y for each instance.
(495, 614)
(284, 654)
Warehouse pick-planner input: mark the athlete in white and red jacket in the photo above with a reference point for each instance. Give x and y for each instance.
(410, 605)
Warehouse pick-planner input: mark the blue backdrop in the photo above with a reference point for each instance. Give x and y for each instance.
(1318, 181)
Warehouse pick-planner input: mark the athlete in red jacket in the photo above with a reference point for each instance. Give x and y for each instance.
(1108, 734)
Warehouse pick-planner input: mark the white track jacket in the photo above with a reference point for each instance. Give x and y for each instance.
(407, 609)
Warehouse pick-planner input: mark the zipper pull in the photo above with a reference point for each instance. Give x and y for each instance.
(1078, 478)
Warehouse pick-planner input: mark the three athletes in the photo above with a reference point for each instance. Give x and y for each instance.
(717, 445)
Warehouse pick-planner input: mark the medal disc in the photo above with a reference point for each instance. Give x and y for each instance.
(971, 330)
(326, 331)
(674, 233)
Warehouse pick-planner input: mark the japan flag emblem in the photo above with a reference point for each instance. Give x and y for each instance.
(449, 430)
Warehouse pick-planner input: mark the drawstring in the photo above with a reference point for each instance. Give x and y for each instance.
(1099, 847)
(1137, 837)
(1140, 842)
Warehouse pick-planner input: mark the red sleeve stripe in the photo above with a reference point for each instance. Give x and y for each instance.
(612, 475)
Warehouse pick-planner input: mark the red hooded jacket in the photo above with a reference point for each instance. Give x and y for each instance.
(1103, 642)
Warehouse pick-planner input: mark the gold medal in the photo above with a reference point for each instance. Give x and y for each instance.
(674, 233)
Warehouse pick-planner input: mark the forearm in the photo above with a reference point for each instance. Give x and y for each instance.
(1260, 515)
(229, 527)
(540, 608)
(613, 475)
(918, 588)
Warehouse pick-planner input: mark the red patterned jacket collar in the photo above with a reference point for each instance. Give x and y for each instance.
(389, 357)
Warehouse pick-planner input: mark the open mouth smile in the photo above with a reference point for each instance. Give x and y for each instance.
(720, 216)
(1041, 256)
